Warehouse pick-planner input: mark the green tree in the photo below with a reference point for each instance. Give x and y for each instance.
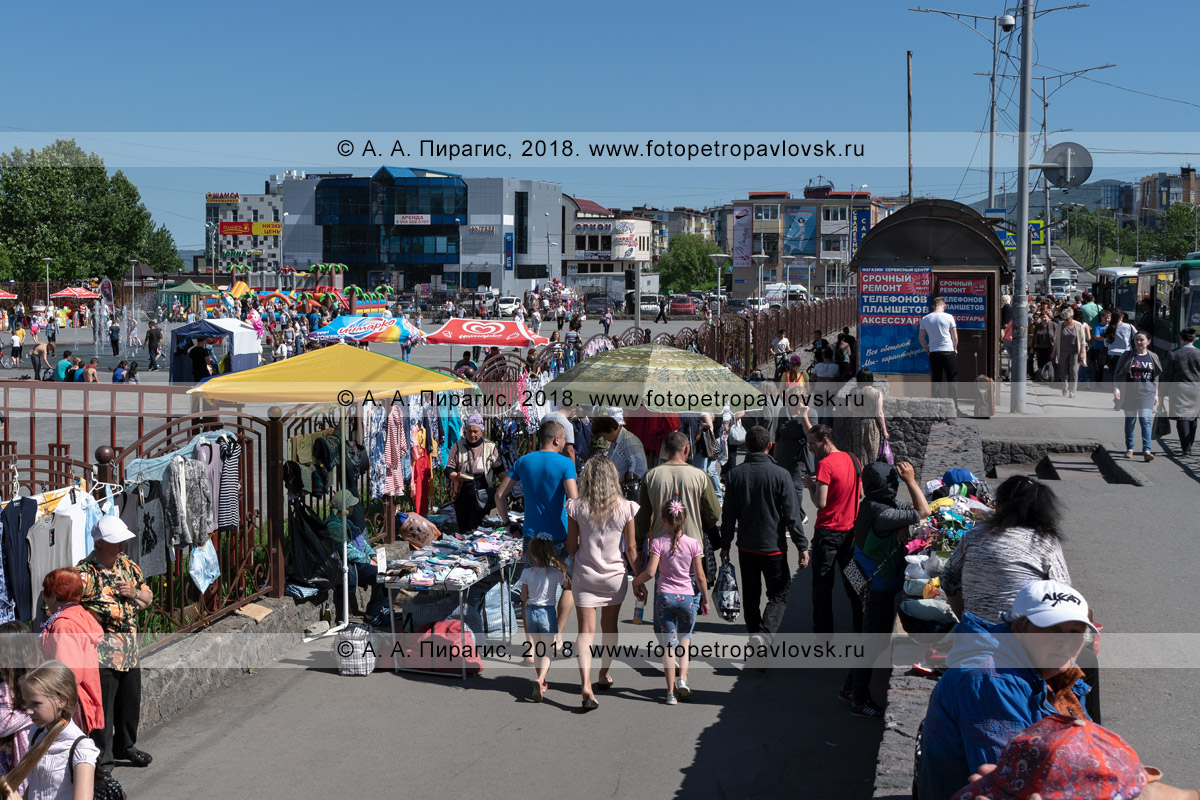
(60, 202)
(6, 267)
(158, 250)
(1175, 237)
(686, 264)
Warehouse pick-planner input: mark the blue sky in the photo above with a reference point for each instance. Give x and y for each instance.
(624, 66)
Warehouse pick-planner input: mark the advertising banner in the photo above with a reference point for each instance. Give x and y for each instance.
(858, 231)
(743, 236)
(623, 246)
(966, 300)
(892, 301)
(411, 219)
(251, 228)
(508, 252)
(800, 231)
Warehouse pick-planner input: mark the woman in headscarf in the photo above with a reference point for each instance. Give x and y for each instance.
(469, 466)
(880, 532)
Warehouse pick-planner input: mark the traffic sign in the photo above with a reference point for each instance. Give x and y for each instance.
(1037, 235)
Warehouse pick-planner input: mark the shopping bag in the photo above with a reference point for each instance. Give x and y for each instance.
(885, 452)
(729, 600)
(1162, 425)
(203, 566)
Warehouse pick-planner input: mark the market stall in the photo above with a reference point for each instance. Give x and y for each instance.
(389, 391)
(244, 348)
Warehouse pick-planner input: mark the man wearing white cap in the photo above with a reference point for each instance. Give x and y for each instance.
(114, 591)
(1000, 679)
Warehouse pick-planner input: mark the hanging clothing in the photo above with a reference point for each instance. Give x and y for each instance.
(229, 496)
(209, 454)
(375, 417)
(152, 469)
(395, 448)
(142, 512)
(187, 505)
(17, 518)
(50, 548)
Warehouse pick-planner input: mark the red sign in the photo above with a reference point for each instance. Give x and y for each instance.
(485, 333)
(236, 228)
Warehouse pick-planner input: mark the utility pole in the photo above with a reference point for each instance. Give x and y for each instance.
(910, 141)
(1021, 299)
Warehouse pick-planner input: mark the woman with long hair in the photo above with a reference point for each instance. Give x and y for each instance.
(599, 526)
(1135, 391)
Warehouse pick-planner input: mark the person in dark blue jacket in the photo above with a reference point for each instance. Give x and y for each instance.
(1002, 678)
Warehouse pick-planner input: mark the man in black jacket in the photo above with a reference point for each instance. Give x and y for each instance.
(761, 504)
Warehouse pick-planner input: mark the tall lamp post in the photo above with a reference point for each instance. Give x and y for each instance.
(787, 278)
(719, 260)
(47, 261)
(759, 260)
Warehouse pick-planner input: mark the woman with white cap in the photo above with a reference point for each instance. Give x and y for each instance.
(469, 467)
(362, 564)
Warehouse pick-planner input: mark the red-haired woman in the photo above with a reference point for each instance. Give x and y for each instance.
(71, 635)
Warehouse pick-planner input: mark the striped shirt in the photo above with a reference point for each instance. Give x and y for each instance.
(990, 567)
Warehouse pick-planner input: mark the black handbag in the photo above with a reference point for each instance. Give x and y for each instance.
(104, 786)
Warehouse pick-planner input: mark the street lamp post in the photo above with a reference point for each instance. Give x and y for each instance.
(787, 277)
(129, 323)
(759, 260)
(719, 260)
(47, 261)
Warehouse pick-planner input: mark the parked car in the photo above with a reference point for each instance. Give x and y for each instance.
(507, 306)
(734, 305)
(757, 304)
(650, 303)
(599, 304)
(682, 304)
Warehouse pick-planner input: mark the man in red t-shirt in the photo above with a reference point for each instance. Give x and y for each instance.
(835, 491)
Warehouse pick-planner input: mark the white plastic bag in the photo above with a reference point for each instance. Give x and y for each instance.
(203, 566)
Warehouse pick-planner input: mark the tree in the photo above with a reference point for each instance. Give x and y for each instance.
(158, 250)
(686, 264)
(1175, 237)
(60, 202)
(6, 267)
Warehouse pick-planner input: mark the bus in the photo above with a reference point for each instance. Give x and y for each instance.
(1173, 289)
(1116, 287)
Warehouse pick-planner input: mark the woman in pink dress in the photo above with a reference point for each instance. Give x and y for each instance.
(599, 527)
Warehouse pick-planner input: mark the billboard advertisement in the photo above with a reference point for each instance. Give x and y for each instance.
(966, 300)
(508, 252)
(799, 231)
(251, 228)
(858, 231)
(891, 303)
(743, 235)
(624, 245)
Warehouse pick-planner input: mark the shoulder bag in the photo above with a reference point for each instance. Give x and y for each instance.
(104, 786)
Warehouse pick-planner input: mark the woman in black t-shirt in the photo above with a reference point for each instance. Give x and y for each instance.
(1135, 390)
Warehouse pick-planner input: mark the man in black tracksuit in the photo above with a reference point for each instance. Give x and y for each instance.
(761, 503)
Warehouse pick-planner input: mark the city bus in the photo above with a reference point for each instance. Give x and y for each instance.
(1173, 289)
(1116, 287)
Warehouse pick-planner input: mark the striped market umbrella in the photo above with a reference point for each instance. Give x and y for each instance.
(75, 293)
(660, 378)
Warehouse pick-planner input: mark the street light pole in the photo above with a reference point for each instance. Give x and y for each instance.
(719, 260)
(47, 261)
(1021, 307)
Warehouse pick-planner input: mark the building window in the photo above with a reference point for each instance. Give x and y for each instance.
(832, 244)
(593, 243)
(581, 243)
(606, 243)
(532, 272)
(833, 213)
(521, 207)
(831, 275)
(275, 215)
(766, 212)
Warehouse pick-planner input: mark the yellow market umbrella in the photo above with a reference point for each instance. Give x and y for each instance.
(339, 373)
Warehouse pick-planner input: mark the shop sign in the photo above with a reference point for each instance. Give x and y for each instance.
(412, 219)
(593, 227)
(591, 255)
(222, 197)
(251, 228)
(488, 229)
(892, 301)
(966, 300)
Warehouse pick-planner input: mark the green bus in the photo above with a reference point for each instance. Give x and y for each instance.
(1173, 289)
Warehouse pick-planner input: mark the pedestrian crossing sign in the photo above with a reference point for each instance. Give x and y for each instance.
(1037, 235)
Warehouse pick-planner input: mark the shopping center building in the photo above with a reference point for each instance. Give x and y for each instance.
(601, 245)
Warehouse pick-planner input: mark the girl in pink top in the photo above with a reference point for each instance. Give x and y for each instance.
(675, 558)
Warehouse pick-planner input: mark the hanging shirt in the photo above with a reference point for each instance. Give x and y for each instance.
(50, 547)
(142, 512)
(17, 518)
(396, 447)
(375, 440)
(209, 454)
(186, 503)
(229, 495)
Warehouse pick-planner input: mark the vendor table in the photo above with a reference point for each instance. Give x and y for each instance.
(506, 567)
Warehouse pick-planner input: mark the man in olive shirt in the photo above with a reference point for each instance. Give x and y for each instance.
(696, 492)
(154, 338)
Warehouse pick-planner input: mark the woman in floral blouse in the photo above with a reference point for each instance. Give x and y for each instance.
(115, 591)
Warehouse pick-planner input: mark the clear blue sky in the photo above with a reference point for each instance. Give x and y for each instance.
(632, 66)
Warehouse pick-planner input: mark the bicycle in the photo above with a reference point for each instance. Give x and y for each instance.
(7, 361)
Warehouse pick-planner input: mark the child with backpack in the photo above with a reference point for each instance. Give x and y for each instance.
(540, 579)
(675, 558)
(49, 695)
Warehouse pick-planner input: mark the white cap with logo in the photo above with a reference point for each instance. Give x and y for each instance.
(1049, 603)
(111, 530)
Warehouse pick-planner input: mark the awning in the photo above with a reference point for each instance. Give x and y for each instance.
(340, 373)
(244, 347)
(485, 333)
(76, 293)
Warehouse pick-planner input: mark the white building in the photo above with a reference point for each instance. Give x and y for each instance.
(600, 245)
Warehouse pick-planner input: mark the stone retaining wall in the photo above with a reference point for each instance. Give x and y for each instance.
(186, 671)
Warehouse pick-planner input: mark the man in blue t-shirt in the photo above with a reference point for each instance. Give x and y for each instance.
(547, 479)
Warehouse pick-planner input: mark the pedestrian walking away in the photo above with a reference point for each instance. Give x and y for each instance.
(761, 509)
(835, 489)
(1070, 351)
(938, 336)
(1182, 379)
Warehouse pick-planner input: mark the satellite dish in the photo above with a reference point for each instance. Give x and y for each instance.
(1072, 165)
